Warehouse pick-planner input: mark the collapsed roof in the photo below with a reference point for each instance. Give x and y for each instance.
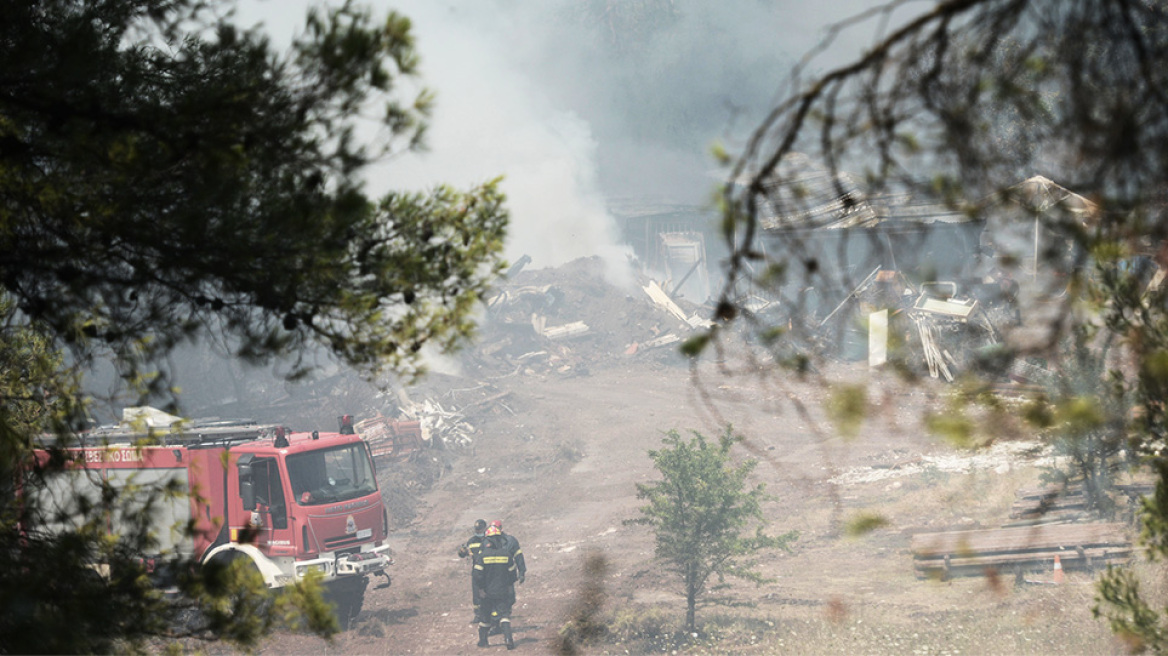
(807, 195)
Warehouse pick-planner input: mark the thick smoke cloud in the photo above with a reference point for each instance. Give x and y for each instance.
(492, 119)
(579, 102)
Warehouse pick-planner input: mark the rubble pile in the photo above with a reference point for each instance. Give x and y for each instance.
(945, 325)
(423, 438)
(951, 329)
(447, 424)
(569, 319)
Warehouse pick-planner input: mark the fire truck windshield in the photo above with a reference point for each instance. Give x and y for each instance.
(331, 475)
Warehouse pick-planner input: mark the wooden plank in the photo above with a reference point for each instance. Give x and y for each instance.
(1048, 491)
(1054, 504)
(1136, 490)
(955, 567)
(1039, 513)
(487, 401)
(662, 299)
(878, 338)
(1060, 517)
(1069, 557)
(1034, 502)
(1058, 498)
(1028, 509)
(1028, 538)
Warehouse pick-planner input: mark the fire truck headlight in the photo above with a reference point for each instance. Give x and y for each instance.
(303, 570)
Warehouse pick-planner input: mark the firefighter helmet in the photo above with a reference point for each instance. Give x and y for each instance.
(493, 530)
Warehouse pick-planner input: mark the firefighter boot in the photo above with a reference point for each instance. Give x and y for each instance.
(507, 639)
(483, 630)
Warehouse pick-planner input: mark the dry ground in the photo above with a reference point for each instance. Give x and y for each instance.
(558, 460)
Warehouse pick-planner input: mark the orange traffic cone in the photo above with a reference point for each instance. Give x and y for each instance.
(1058, 571)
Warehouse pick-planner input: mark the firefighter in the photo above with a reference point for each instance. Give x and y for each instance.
(471, 548)
(494, 585)
(516, 552)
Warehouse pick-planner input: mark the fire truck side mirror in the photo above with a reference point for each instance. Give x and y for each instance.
(246, 487)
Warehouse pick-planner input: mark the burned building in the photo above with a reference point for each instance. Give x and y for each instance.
(948, 280)
(833, 234)
(675, 244)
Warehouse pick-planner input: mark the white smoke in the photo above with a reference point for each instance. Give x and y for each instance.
(491, 119)
(527, 94)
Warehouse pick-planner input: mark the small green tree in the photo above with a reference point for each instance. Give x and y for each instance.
(700, 509)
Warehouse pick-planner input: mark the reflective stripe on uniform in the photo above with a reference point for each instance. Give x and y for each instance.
(495, 560)
(477, 566)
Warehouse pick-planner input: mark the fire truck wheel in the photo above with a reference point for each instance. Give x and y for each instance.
(235, 575)
(347, 596)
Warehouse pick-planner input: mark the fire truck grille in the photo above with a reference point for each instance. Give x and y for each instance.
(337, 543)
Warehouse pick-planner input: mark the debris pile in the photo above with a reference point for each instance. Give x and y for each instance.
(571, 318)
(419, 443)
(950, 328)
(392, 440)
(945, 325)
(448, 425)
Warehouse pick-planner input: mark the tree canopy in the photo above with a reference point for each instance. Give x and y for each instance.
(168, 176)
(166, 172)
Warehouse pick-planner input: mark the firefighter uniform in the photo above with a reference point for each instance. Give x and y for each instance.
(470, 549)
(516, 552)
(517, 556)
(494, 578)
(519, 573)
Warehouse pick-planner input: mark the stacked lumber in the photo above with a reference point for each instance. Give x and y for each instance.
(1136, 490)
(1049, 503)
(972, 553)
(1064, 503)
(935, 356)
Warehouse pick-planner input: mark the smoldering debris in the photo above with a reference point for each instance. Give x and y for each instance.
(570, 319)
(415, 442)
(563, 321)
(448, 425)
(949, 324)
(941, 327)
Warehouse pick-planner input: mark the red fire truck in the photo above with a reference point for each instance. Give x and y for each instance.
(289, 502)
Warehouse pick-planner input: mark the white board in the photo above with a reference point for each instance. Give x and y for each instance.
(878, 338)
